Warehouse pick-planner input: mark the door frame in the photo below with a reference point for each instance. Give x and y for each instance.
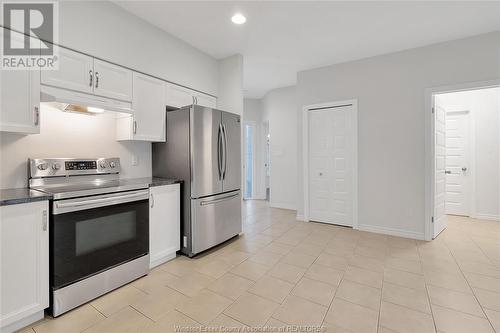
(254, 157)
(305, 147)
(429, 130)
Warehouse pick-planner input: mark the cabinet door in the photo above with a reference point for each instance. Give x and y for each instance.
(24, 269)
(112, 81)
(149, 108)
(177, 96)
(206, 100)
(164, 223)
(75, 72)
(20, 99)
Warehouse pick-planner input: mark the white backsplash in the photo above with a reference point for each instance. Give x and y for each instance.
(64, 134)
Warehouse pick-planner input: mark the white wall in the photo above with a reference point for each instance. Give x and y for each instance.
(230, 71)
(279, 109)
(390, 90)
(484, 109)
(104, 29)
(252, 112)
(64, 134)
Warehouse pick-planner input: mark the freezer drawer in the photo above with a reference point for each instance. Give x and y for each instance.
(215, 219)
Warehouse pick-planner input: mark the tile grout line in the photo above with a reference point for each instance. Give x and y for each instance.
(427, 292)
(468, 284)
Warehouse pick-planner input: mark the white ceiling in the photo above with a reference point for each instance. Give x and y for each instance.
(281, 38)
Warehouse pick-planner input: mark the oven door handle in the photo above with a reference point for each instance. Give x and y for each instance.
(64, 207)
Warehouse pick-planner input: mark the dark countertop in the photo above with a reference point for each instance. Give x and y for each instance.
(152, 181)
(14, 196)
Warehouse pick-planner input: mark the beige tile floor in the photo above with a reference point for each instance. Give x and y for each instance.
(284, 272)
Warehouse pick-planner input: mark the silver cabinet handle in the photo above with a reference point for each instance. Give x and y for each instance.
(211, 202)
(152, 200)
(447, 172)
(135, 127)
(97, 79)
(37, 115)
(91, 78)
(464, 169)
(44, 220)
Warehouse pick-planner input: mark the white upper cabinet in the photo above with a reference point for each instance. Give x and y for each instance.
(112, 81)
(76, 72)
(148, 120)
(205, 100)
(24, 264)
(20, 100)
(80, 72)
(177, 96)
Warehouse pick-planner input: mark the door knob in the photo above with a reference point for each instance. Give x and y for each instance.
(464, 169)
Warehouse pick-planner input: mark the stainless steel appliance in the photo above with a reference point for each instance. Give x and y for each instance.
(203, 148)
(99, 228)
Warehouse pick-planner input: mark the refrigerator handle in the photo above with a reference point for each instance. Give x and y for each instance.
(219, 151)
(225, 151)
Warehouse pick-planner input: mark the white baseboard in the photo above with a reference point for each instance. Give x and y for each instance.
(487, 217)
(392, 231)
(162, 258)
(300, 217)
(21, 323)
(282, 205)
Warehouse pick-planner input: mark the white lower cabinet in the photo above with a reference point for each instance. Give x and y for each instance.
(164, 223)
(24, 273)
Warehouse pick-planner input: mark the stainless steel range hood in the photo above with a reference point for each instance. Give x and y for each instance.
(72, 101)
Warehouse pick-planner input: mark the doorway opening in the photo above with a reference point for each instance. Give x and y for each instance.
(465, 158)
(249, 162)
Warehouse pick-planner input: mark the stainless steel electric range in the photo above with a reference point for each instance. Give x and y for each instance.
(99, 227)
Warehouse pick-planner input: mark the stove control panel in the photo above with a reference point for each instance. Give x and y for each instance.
(60, 167)
(81, 165)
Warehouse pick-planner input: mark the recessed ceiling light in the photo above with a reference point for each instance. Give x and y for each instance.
(238, 18)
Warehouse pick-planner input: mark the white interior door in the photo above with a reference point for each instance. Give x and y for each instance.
(331, 165)
(457, 164)
(439, 170)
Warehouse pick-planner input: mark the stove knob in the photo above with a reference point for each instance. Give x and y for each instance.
(103, 164)
(42, 166)
(56, 166)
(112, 165)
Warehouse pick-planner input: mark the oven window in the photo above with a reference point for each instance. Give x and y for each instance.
(105, 231)
(87, 242)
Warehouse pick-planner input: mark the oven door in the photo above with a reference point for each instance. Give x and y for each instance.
(92, 234)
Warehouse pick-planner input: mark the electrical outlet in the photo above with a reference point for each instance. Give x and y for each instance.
(135, 160)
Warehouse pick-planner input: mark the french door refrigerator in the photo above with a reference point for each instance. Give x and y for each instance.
(203, 148)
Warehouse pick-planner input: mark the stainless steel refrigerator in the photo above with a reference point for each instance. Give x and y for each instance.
(203, 148)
